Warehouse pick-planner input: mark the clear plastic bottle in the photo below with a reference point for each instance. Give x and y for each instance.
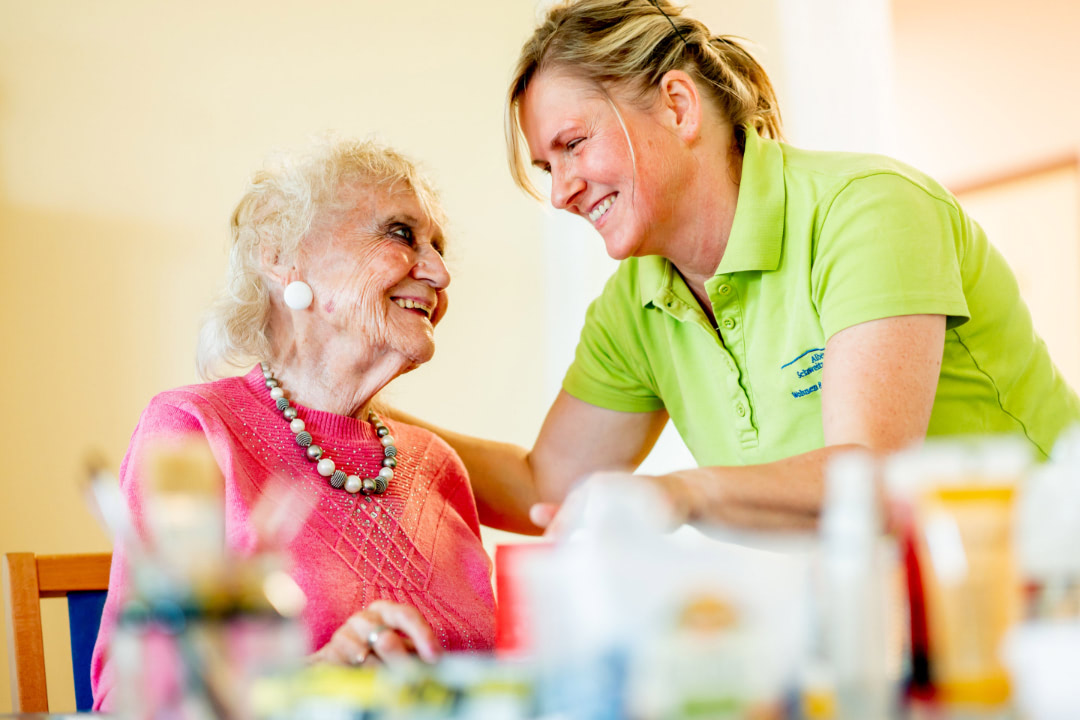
(854, 603)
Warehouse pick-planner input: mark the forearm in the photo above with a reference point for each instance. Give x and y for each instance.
(785, 494)
(500, 474)
(502, 479)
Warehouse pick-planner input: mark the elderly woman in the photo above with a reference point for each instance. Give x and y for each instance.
(336, 281)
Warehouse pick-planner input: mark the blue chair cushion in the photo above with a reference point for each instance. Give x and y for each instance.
(84, 619)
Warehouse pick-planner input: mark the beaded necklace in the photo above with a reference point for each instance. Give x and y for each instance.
(323, 464)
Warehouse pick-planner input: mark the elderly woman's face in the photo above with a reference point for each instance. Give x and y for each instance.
(377, 272)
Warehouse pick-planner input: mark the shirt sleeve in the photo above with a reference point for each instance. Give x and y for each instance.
(888, 247)
(609, 369)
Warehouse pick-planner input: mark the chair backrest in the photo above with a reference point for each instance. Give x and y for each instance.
(27, 578)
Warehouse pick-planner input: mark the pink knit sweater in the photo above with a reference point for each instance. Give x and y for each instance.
(418, 544)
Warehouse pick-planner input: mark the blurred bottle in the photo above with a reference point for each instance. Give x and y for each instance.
(200, 623)
(961, 495)
(855, 600)
(1043, 652)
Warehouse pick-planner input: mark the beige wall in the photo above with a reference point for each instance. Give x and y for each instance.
(984, 87)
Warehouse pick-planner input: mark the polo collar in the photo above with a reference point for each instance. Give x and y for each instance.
(757, 232)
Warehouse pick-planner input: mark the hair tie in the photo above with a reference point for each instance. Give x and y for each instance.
(671, 22)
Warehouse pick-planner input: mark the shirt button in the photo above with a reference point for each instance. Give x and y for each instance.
(740, 410)
(729, 323)
(725, 289)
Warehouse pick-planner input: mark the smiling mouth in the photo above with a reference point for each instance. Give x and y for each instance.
(602, 208)
(416, 306)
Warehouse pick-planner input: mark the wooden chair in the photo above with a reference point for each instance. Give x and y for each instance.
(27, 578)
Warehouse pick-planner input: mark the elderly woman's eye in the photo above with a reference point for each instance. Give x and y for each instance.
(404, 232)
(573, 144)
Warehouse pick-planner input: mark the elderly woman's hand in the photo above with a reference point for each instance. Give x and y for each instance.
(382, 631)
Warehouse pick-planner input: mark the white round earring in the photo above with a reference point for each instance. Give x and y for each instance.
(298, 295)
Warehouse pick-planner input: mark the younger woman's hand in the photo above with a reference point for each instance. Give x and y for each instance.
(610, 499)
(383, 631)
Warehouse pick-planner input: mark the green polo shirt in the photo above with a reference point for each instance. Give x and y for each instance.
(820, 242)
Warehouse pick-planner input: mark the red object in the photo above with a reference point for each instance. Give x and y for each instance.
(920, 684)
(512, 621)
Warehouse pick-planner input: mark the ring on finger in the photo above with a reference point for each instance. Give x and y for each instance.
(374, 634)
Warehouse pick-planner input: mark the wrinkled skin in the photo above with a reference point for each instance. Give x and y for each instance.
(354, 338)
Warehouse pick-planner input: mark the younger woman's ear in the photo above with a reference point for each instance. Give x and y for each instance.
(680, 98)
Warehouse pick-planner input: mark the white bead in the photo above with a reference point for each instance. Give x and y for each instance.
(353, 484)
(387, 473)
(387, 440)
(277, 393)
(326, 467)
(296, 425)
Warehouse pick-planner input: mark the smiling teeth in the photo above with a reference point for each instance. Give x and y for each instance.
(412, 305)
(602, 208)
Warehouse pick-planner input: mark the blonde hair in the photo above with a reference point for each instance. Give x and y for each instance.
(632, 45)
(281, 206)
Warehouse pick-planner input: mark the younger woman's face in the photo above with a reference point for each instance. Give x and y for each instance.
(615, 174)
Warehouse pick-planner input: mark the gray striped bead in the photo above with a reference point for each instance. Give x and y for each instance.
(390, 451)
(282, 403)
(380, 485)
(338, 479)
(303, 438)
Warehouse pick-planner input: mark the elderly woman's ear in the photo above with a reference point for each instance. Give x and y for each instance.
(295, 292)
(272, 267)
